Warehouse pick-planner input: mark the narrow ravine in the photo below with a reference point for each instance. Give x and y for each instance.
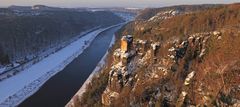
(58, 90)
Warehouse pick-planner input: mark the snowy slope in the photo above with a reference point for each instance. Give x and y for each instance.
(16, 89)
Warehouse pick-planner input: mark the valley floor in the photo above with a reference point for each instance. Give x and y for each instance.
(16, 89)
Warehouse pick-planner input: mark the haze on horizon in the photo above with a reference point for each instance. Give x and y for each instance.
(110, 3)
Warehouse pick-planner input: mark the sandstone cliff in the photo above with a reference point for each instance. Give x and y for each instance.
(175, 58)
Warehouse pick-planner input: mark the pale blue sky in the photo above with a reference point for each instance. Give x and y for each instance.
(109, 3)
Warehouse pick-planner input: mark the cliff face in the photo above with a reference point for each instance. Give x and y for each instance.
(184, 59)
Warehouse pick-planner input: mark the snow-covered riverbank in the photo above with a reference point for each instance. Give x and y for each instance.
(16, 89)
(89, 79)
(7, 72)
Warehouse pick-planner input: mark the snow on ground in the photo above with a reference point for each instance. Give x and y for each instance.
(16, 89)
(2, 70)
(9, 70)
(89, 79)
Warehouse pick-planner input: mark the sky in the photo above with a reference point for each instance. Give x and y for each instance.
(109, 3)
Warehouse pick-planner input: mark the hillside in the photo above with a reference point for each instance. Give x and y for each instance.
(150, 12)
(171, 58)
(27, 32)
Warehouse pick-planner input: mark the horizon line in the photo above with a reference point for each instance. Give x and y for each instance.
(139, 7)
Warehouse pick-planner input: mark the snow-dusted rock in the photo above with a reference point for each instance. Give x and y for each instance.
(171, 49)
(219, 37)
(155, 45)
(189, 77)
(216, 33)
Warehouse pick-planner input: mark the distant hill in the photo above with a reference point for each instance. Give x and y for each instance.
(25, 31)
(150, 12)
(14, 7)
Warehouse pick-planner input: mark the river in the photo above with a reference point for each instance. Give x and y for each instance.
(58, 90)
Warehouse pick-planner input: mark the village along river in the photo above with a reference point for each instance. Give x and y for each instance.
(58, 90)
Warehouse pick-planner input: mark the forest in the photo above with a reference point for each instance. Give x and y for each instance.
(25, 33)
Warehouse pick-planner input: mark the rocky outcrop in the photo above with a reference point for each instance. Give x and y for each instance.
(121, 76)
(175, 64)
(120, 71)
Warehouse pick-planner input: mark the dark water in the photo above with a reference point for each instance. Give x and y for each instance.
(58, 90)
